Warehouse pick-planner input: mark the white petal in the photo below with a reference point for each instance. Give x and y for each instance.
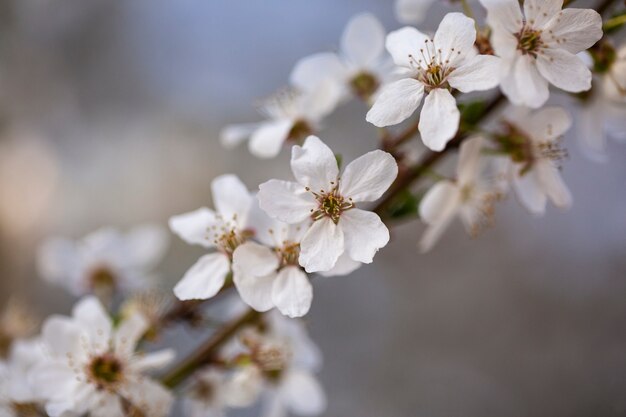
(314, 164)
(62, 336)
(564, 70)
(255, 289)
(57, 260)
(575, 30)
(396, 102)
(404, 45)
(469, 160)
(344, 266)
(233, 135)
(192, 227)
(129, 333)
(455, 37)
(204, 279)
(548, 123)
(154, 360)
(540, 12)
(553, 184)
(524, 85)
(243, 388)
(369, 176)
(364, 234)
(412, 11)
(478, 73)
(231, 198)
(286, 201)
(504, 14)
(321, 246)
(93, 319)
(437, 209)
(529, 192)
(108, 405)
(303, 393)
(150, 397)
(292, 292)
(363, 40)
(254, 259)
(439, 119)
(268, 139)
(147, 244)
(311, 71)
(53, 380)
(320, 101)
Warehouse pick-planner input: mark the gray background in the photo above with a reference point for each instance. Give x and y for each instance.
(118, 105)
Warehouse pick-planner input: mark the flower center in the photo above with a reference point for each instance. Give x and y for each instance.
(106, 371)
(288, 254)
(227, 236)
(102, 278)
(330, 204)
(529, 41)
(203, 391)
(433, 65)
(25, 409)
(299, 131)
(364, 85)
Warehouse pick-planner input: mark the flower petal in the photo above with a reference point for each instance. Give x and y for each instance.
(233, 135)
(548, 123)
(146, 245)
(231, 198)
(529, 192)
(150, 397)
(396, 102)
(344, 266)
(204, 279)
(286, 201)
(540, 12)
(564, 70)
(319, 102)
(61, 336)
(404, 45)
(412, 11)
(524, 85)
(364, 234)
(93, 319)
(479, 73)
(256, 291)
(455, 37)
(321, 245)
(58, 260)
(51, 379)
(314, 164)
(255, 260)
(363, 40)
(268, 139)
(504, 15)
(303, 394)
(437, 209)
(369, 176)
(192, 227)
(469, 160)
(439, 119)
(575, 30)
(154, 360)
(311, 71)
(129, 333)
(292, 292)
(553, 184)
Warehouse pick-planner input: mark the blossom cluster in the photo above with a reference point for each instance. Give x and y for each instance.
(269, 243)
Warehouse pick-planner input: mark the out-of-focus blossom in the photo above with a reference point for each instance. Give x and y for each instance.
(432, 67)
(359, 68)
(603, 114)
(471, 197)
(320, 194)
(17, 396)
(222, 231)
(207, 395)
(92, 366)
(412, 11)
(539, 46)
(292, 115)
(17, 321)
(531, 143)
(105, 261)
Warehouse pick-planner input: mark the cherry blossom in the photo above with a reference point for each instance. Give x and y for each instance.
(17, 397)
(539, 45)
(321, 195)
(93, 368)
(222, 231)
(434, 67)
(105, 261)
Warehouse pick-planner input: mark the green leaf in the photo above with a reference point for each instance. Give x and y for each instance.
(339, 159)
(471, 113)
(403, 205)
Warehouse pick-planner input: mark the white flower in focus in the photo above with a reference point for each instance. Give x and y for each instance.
(292, 115)
(532, 144)
(359, 68)
(92, 366)
(603, 114)
(470, 197)
(269, 275)
(539, 46)
(222, 230)
(17, 397)
(434, 67)
(104, 261)
(320, 194)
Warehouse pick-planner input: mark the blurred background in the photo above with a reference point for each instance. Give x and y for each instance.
(110, 113)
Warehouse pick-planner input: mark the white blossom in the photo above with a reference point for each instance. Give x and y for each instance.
(359, 68)
(17, 397)
(330, 201)
(412, 11)
(471, 197)
(539, 46)
(104, 261)
(434, 67)
(222, 231)
(207, 396)
(532, 143)
(292, 115)
(92, 366)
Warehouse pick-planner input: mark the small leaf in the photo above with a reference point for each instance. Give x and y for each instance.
(339, 159)
(403, 205)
